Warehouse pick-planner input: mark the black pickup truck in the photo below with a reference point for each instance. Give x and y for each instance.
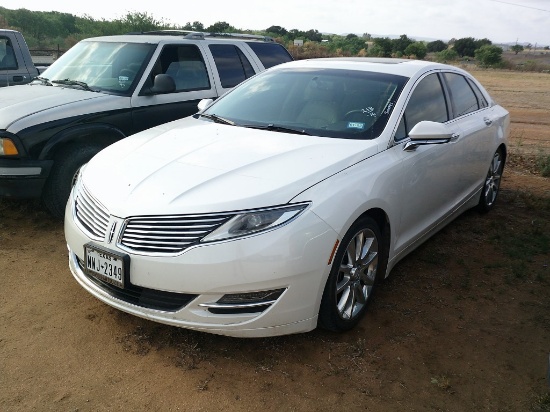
(16, 66)
(106, 88)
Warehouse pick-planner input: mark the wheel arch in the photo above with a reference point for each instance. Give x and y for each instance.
(382, 219)
(502, 147)
(101, 135)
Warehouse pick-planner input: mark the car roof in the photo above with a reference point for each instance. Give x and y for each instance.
(401, 67)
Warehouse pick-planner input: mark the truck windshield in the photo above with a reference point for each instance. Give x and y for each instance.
(102, 66)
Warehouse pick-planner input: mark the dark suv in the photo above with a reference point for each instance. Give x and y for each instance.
(106, 88)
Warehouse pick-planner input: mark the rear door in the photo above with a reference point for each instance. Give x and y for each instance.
(472, 113)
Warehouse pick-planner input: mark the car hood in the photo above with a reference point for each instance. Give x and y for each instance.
(17, 103)
(194, 166)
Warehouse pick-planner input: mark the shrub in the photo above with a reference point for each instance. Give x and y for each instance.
(447, 55)
(489, 55)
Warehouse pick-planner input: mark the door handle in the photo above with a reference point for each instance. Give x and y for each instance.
(17, 78)
(487, 121)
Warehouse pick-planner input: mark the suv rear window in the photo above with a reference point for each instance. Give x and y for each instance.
(270, 54)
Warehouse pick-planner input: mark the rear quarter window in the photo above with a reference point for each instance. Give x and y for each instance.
(270, 54)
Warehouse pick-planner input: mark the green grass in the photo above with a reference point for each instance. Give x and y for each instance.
(543, 165)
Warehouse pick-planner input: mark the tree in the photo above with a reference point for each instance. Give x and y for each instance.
(417, 49)
(221, 27)
(382, 47)
(139, 22)
(195, 26)
(436, 46)
(489, 55)
(278, 30)
(313, 35)
(400, 44)
(516, 48)
(482, 42)
(465, 47)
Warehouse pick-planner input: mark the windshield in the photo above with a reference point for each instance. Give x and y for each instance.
(349, 104)
(101, 66)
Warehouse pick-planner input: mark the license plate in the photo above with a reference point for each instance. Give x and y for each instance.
(105, 265)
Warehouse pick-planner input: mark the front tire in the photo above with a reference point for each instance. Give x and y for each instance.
(67, 163)
(353, 277)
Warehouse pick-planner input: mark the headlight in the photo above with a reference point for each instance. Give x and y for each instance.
(7, 147)
(256, 221)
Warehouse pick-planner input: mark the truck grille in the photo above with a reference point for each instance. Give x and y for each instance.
(168, 234)
(90, 214)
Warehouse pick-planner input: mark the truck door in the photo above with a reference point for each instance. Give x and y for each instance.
(12, 69)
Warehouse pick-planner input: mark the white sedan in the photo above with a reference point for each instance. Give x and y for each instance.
(280, 206)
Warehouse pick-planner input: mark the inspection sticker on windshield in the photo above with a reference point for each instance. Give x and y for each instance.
(104, 265)
(356, 125)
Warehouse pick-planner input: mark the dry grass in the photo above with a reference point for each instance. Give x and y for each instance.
(526, 96)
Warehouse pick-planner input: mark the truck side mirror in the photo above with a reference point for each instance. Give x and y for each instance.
(163, 84)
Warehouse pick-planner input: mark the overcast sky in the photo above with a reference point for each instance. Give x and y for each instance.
(527, 21)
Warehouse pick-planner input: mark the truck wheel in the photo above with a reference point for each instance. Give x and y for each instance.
(67, 162)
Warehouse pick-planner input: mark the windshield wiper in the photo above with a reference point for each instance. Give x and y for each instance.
(43, 80)
(218, 119)
(277, 128)
(68, 82)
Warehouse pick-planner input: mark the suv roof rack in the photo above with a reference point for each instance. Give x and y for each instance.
(198, 35)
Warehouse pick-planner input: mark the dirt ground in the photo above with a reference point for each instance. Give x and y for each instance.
(462, 324)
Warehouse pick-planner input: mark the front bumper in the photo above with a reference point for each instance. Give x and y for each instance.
(20, 178)
(293, 258)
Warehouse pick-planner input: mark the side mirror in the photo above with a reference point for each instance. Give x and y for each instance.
(203, 104)
(163, 84)
(427, 133)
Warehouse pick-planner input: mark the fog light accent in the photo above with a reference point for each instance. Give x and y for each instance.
(253, 297)
(253, 302)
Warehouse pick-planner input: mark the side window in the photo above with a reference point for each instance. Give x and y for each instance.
(270, 54)
(7, 56)
(232, 64)
(463, 97)
(426, 103)
(480, 97)
(186, 66)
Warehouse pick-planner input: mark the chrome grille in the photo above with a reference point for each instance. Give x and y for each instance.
(168, 234)
(90, 214)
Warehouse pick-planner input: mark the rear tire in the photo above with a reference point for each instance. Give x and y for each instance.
(67, 163)
(358, 264)
(491, 187)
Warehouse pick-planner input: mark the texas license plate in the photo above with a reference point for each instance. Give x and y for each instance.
(105, 265)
